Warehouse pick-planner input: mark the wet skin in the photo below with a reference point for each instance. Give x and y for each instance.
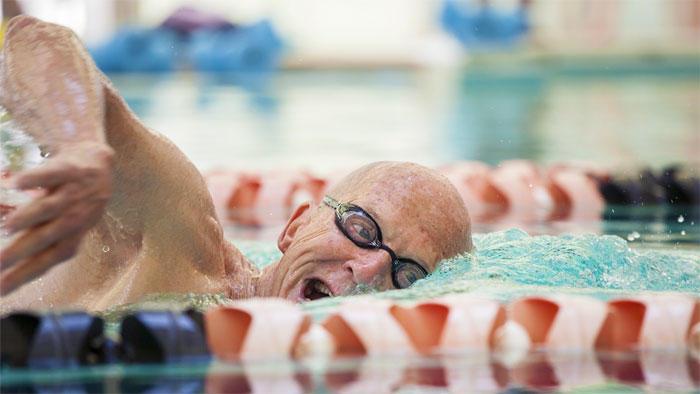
(112, 183)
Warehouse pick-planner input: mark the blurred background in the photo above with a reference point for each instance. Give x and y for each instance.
(327, 85)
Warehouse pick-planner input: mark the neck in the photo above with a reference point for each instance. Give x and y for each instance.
(266, 285)
(243, 277)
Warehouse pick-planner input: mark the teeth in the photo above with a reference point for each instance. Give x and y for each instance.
(322, 288)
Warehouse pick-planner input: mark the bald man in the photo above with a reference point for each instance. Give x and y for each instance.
(111, 184)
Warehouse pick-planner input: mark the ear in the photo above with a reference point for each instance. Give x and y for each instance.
(287, 236)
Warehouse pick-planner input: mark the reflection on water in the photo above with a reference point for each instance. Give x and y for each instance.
(323, 120)
(456, 373)
(624, 115)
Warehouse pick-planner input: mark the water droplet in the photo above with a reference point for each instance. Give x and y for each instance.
(681, 219)
(105, 249)
(612, 210)
(44, 153)
(682, 232)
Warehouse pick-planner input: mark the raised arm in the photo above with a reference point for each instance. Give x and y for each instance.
(159, 213)
(57, 98)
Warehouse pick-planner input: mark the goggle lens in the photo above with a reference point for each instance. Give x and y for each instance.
(407, 272)
(359, 228)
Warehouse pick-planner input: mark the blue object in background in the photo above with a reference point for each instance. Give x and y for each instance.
(249, 49)
(255, 48)
(485, 26)
(135, 49)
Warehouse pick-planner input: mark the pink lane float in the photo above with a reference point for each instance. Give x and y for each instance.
(262, 328)
(542, 342)
(516, 191)
(474, 184)
(260, 198)
(368, 326)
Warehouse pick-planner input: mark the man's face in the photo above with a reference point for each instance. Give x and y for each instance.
(320, 260)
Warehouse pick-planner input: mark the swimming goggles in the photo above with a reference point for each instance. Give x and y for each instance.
(364, 232)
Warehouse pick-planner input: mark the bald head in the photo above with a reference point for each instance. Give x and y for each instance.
(419, 197)
(419, 213)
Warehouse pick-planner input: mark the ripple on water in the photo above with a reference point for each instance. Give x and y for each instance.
(511, 263)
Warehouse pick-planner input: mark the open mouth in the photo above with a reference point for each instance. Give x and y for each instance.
(315, 289)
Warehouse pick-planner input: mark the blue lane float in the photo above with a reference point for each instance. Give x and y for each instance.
(484, 26)
(137, 49)
(254, 48)
(251, 49)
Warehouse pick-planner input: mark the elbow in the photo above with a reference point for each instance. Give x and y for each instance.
(25, 28)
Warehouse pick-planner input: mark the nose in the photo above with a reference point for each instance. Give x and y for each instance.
(370, 267)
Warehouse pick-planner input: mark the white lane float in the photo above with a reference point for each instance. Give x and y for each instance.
(471, 323)
(559, 322)
(448, 324)
(659, 321)
(575, 193)
(259, 328)
(366, 326)
(261, 198)
(274, 328)
(526, 191)
(472, 179)
(516, 191)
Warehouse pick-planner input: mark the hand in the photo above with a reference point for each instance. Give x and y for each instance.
(77, 182)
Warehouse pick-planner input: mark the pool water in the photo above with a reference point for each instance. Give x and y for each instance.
(506, 264)
(324, 121)
(624, 114)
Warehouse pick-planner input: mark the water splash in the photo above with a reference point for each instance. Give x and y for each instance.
(509, 264)
(514, 258)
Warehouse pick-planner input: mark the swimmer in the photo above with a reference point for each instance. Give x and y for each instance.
(125, 214)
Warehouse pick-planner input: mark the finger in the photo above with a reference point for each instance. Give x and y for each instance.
(39, 211)
(51, 173)
(35, 266)
(36, 240)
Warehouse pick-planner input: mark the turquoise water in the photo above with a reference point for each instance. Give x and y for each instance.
(505, 265)
(510, 263)
(513, 257)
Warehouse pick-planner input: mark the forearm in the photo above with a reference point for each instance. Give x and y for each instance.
(50, 85)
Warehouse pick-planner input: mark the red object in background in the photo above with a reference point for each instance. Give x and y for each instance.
(516, 192)
(261, 198)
